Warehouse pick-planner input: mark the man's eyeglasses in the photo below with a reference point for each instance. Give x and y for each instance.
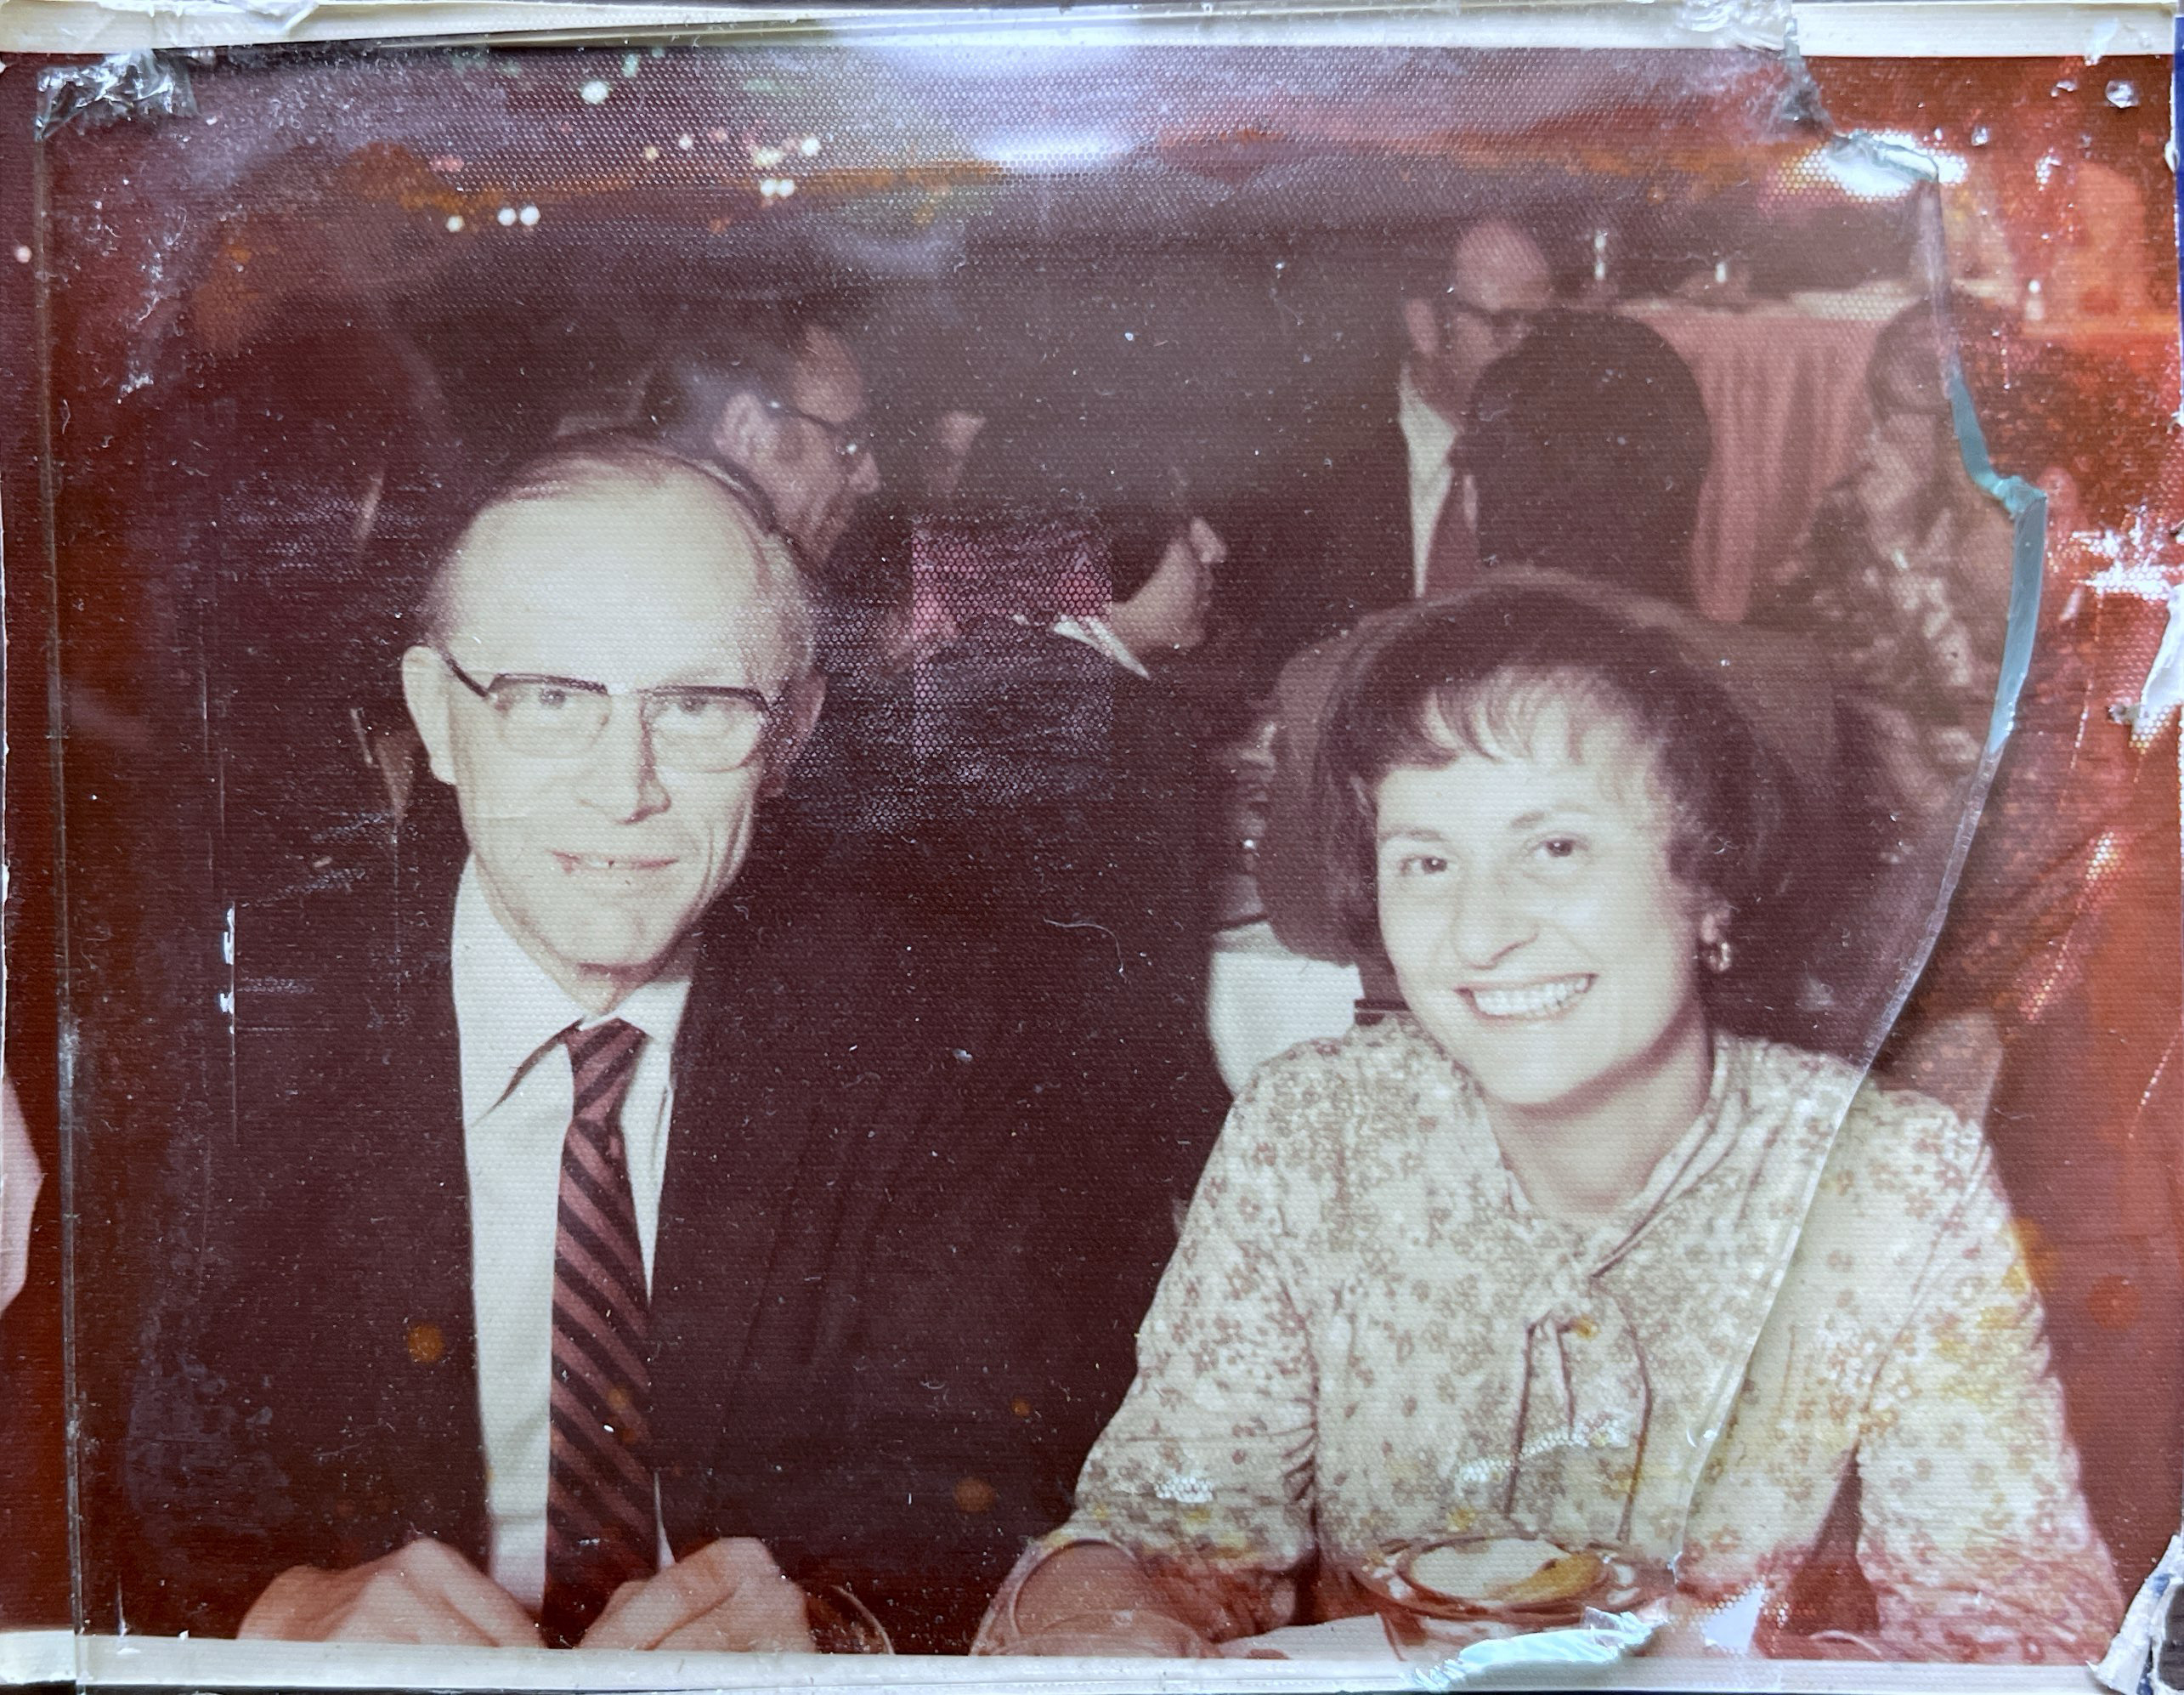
(692, 727)
(1506, 326)
(850, 448)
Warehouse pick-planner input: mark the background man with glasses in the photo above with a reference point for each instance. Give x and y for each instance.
(609, 1225)
(1386, 521)
(778, 400)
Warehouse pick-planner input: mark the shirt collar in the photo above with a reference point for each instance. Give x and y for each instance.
(1099, 634)
(508, 1011)
(1427, 433)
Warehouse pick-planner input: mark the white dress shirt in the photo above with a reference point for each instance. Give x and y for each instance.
(1099, 635)
(1428, 438)
(518, 1096)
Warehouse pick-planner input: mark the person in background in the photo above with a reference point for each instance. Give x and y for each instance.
(1027, 768)
(1903, 578)
(777, 398)
(1569, 1285)
(1587, 444)
(1384, 509)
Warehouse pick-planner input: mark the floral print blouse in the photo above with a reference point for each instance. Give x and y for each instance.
(1368, 1335)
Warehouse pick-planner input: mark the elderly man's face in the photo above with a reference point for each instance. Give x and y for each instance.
(807, 454)
(1497, 280)
(599, 856)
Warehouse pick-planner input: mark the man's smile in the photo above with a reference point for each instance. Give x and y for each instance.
(622, 864)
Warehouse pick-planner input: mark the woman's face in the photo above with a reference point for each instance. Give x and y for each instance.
(1905, 453)
(1527, 905)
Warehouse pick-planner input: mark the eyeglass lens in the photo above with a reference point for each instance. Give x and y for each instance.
(693, 729)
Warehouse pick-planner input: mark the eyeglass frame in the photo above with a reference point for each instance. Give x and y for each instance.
(611, 692)
(1511, 322)
(849, 448)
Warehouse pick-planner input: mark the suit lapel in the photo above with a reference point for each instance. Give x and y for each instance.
(749, 1086)
(425, 1308)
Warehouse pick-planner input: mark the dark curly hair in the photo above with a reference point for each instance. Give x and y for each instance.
(1588, 447)
(1480, 669)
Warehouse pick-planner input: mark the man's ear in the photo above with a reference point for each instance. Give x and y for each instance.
(745, 430)
(1422, 325)
(425, 692)
(800, 716)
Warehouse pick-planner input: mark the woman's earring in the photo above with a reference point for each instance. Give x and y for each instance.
(1718, 955)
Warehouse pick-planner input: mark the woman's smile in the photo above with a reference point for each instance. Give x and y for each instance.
(1529, 1002)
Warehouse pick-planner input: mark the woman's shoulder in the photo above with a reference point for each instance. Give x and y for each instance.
(1887, 1139)
(1340, 1086)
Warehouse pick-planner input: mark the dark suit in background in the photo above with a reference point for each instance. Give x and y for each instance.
(1347, 549)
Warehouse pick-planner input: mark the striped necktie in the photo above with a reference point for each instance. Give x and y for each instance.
(602, 1528)
(1452, 560)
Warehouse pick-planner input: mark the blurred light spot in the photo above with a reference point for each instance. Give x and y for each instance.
(629, 62)
(22, 256)
(809, 146)
(454, 222)
(1043, 150)
(507, 215)
(2122, 95)
(974, 1494)
(527, 216)
(596, 91)
(651, 154)
(447, 164)
(426, 1343)
(766, 158)
(1979, 135)
(686, 142)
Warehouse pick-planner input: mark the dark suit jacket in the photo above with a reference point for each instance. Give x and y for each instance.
(893, 1289)
(1348, 550)
(1024, 784)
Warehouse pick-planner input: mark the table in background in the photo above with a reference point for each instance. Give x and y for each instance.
(1784, 388)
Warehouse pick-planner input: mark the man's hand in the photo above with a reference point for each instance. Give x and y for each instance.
(728, 1595)
(425, 1592)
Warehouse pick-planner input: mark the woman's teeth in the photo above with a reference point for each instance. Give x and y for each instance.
(1532, 1001)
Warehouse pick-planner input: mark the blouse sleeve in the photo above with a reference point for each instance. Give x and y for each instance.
(1205, 1474)
(1976, 1537)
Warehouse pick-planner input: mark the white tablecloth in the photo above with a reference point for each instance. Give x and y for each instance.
(1261, 999)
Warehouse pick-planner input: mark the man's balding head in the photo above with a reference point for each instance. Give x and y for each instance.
(695, 530)
(1498, 277)
(602, 635)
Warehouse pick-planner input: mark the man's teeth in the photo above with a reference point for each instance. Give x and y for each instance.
(1533, 1001)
